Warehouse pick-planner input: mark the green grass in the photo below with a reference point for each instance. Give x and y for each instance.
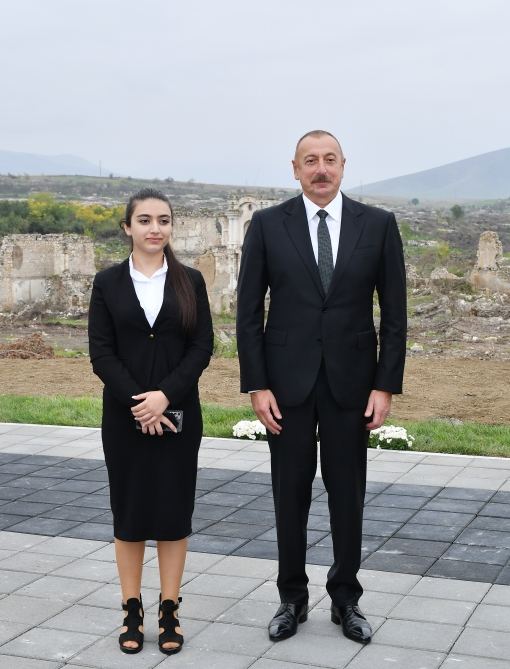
(218, 420)
(440, 436)
(57, 410)
(69, 353)
(435, 436)
(68, 322)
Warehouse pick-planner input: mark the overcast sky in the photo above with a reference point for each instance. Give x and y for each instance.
(220, 90)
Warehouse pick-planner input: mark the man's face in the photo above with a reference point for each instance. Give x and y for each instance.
(319, 167)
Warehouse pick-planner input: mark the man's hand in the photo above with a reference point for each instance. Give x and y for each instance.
(378, 406)
(149, 411)
(265, 406)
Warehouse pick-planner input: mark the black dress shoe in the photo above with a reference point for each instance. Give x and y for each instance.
(354, 623)
(285, 622)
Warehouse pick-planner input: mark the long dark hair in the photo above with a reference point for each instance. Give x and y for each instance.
(178, 275)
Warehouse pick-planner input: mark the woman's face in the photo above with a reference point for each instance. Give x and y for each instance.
(151, 226)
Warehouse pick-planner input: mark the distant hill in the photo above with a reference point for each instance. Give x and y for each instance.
(482, 177)
(188, 195)
(12, 162)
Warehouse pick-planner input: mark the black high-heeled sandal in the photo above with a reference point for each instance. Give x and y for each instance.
(133, 621)
(168, 622)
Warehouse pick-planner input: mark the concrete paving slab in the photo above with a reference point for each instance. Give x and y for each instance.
(66, 589)
(483, 642)
(238, 566)
(91, 570)
(19, 541)
(39, 563)
(250, 612)
(13, 580)
(222, 586)
(105, 654)
(10, 630)
(421, 635)
(237, 639)
(455, 661)
(382, 581)
(45, 644)
(443, 588)
(192, 658)
(12, 662)
(499, 595)
(335, 651)
(491, 617)
(201, 562)
(92, 619)
(469, 481)
(433, 610)
(70, 547)
(265, 663)
(469, 571)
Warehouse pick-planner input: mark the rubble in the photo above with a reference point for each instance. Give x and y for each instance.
(31, 347)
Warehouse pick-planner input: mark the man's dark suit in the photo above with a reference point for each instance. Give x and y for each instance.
(318, 355)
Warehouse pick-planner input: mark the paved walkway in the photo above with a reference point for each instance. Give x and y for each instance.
(436, 565)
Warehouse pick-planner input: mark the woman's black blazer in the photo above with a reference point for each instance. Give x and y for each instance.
(129, 355)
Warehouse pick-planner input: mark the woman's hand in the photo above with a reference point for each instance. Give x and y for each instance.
(157, 427)
(149, 411)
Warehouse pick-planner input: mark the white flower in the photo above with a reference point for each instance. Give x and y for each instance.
(388, 433)
(249, 429)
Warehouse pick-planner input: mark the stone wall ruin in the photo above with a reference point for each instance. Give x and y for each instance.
(46, 273)
(491, 272)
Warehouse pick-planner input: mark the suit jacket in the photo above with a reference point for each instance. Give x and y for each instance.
(129, 355)
(304, 326)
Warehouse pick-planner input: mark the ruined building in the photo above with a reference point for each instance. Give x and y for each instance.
(46, 273)
(213, 245)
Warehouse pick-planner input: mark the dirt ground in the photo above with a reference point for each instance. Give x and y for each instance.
(437, 387)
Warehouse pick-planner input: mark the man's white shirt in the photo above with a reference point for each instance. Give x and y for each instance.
(333, 221)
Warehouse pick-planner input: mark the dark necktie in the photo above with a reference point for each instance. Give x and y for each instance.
(325, 254)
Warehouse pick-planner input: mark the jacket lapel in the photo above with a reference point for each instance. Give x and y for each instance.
(296, 224)
(132, 301)
(167, 291)
(350, 231)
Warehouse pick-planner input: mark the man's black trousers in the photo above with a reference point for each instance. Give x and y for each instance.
(343, 450)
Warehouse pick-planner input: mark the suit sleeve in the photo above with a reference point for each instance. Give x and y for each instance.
(391, 289)
(103, 351)
(197, 355)
(252, 287)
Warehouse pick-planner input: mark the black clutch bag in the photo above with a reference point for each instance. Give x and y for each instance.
(174, 415)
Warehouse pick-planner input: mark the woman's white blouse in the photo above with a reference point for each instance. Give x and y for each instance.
(149, 290)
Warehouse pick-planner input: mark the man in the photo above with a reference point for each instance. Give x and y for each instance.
(314, 367)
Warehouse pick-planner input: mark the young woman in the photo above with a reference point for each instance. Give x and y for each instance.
(150, 336)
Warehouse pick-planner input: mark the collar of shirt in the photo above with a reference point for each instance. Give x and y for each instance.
(333, 221)
(334, 208)
(138, 276)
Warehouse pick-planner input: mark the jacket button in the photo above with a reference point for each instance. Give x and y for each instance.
(151, 336)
